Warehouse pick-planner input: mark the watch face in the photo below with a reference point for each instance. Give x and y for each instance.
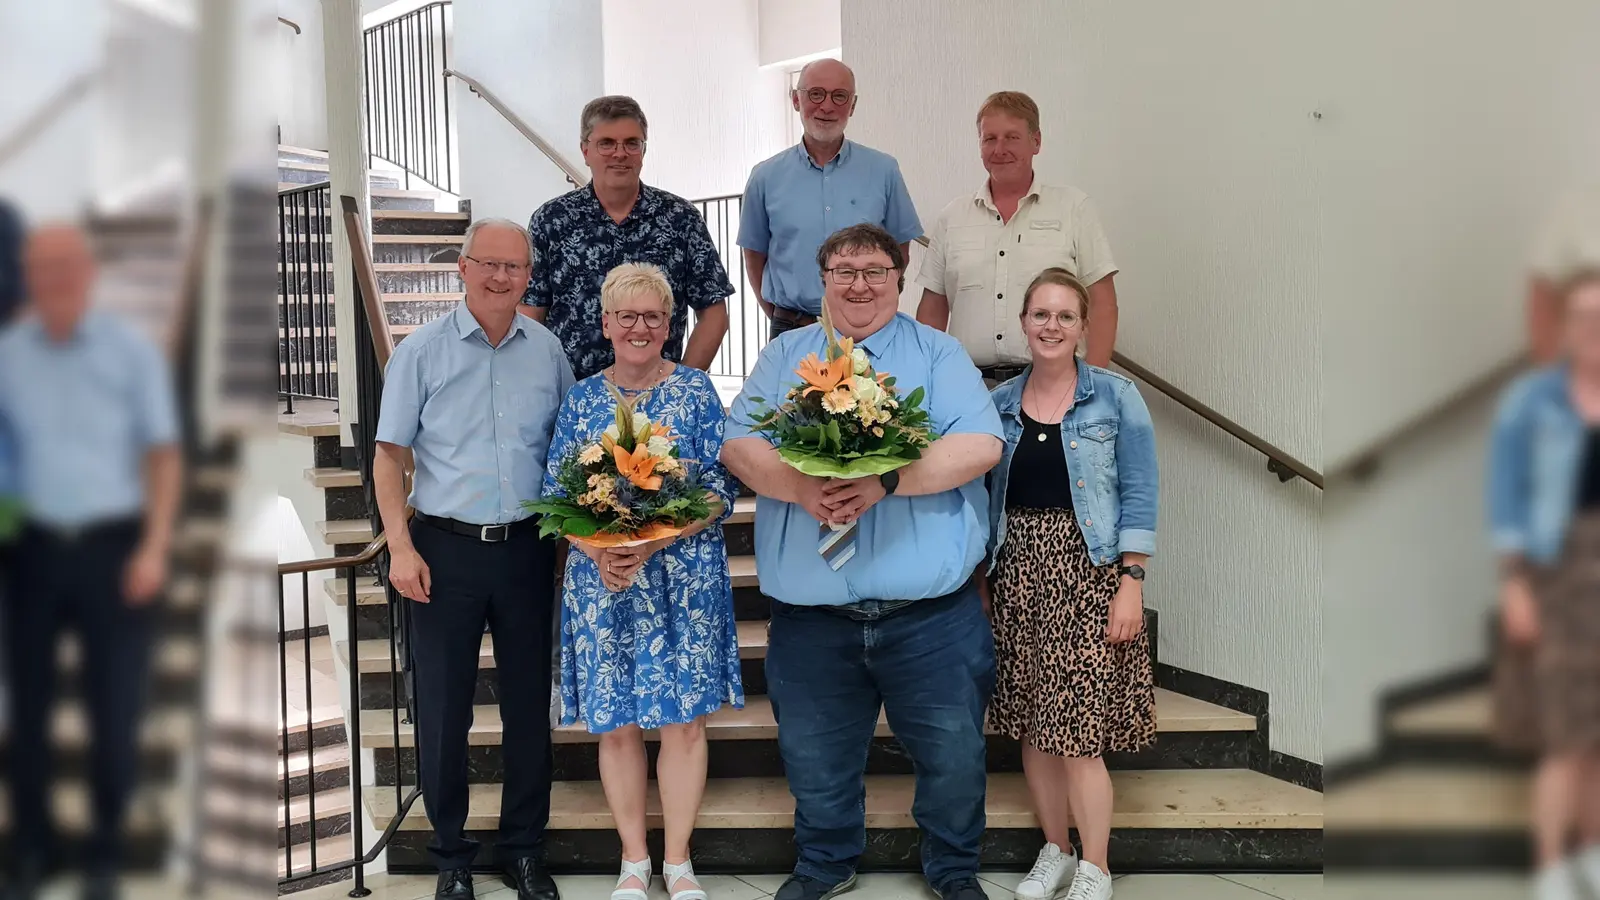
(1136, 571)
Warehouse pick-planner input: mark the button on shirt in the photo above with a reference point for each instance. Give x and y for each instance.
(908, 548)
(83, 415)
(576, 244)
(792, 205)
(477, 418)
(982, 265)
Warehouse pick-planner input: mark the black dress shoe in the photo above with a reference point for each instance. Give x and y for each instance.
(455, 884)
(531, 879)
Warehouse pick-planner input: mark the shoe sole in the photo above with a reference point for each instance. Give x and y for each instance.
(849, 884)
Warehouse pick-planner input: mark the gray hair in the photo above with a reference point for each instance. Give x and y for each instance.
(630, 279)
(472, 232)
(610, 108)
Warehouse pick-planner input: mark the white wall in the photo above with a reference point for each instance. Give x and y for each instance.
(544, 59)
(46, 46)
(713, 112)
(299, 79)
(300, 507)
(791, 29)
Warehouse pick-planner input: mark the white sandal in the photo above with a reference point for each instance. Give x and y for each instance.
(674, 874)
(639, 870)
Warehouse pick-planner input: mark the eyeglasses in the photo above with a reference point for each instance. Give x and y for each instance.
(1041, 317)
(846, 276)
(626, 318)
(514, 270)
(840, 97)
(633, 146)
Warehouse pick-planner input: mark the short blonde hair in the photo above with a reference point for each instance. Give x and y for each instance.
(1012, 103)
(629, 279)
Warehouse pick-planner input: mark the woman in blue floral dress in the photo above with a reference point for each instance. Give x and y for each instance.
(647, 633)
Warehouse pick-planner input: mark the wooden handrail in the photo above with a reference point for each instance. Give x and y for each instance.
(48, 111)
(1283, 465)
(367, 554)
(367, 280)
(290, 24)
(575, 176)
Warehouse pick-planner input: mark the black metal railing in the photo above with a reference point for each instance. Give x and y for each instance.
(306, 345)
(409, 118)
(747, 324)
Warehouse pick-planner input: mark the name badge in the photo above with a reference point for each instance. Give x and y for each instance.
(1041, 224)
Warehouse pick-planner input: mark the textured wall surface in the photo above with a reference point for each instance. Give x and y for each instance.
(543, 58)
(795, 28)
(299, 82)
(713, 112)
(46, 45)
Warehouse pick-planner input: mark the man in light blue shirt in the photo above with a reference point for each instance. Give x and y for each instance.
(900, 625)
(473, 397)
(88, 403)
(798, 198)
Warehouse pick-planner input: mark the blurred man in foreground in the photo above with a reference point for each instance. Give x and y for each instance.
(91, 409)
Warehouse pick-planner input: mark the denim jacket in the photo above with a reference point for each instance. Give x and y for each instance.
(1111, 456)
(1535, 455)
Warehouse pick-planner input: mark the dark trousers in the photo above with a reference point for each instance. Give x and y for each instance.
(785, 319)
(930, 665)
(75, 581)
(508, 585)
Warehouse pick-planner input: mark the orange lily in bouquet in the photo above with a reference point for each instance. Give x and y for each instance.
(628, 487)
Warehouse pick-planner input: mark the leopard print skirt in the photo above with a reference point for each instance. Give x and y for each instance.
(1547, 696)
(1059, 685)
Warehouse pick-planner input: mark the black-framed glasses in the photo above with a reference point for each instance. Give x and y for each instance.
(627, 318)
(846, 276)
(840, 97)
(632, 146)
(514, 270)
(1066, 318)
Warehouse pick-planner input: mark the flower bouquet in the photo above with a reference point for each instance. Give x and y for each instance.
(844, 420)
(629, 487)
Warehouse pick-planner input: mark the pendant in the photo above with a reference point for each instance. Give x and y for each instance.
(1041, 436)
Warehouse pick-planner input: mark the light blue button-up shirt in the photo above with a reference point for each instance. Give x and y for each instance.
(82, 415)
(476, 417)
(791, 205)
(908, 548)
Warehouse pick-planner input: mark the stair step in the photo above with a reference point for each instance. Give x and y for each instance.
(382, 268)
(1174, 713)
(1166, 799)
(330, 803)
(420, 214)
(334, 848)
(1468, 713)
(1419, 797)
(333, 477)
(744, 511)
(369, 591)
(419, 238)
(421, 297)
(346, 531)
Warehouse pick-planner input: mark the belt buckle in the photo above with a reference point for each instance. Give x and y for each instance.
(483, 533)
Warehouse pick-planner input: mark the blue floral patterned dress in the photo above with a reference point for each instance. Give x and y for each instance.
(666, 650)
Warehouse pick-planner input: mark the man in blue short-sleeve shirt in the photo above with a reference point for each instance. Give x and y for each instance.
(473, 395)
(794, 200)
(907, 593)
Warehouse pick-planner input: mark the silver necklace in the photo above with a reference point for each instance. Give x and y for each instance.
(1059, 410)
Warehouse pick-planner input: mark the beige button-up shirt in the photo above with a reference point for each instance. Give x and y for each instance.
(983, 265)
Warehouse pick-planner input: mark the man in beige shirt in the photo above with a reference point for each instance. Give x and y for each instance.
(986, 247)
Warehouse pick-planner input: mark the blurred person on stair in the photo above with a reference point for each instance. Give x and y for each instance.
(90, 405)
(987, 246)
(648, 639)
(1072, 511)
(616, 218)
(1544, 515)
(472, 397)
(794, 200)
(898, 628)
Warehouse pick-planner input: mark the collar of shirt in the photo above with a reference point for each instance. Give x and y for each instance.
(467, 325)
(985, 197)
(644, 206)
(839, 159)
(878, 343)
(32, 328)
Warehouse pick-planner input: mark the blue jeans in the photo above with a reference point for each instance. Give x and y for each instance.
(930, 663)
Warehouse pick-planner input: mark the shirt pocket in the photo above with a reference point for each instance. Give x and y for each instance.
(1045, 243)
(1097, 441)
(873, 208)
(968, 266)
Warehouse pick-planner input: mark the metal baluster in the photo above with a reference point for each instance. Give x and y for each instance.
(444, 63)
(283, 727)
(286, 309)
(357, 808)
(311, 718)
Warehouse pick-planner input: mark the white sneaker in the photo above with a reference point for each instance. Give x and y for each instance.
(1092, 884)
(1556, 882)
(1051, 873)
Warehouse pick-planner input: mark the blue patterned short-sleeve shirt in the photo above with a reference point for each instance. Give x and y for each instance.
(575, 243)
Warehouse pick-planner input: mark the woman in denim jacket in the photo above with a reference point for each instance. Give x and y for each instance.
(1072, 516)
(1544, 512)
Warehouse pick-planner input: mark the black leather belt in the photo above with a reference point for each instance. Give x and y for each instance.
(792, 317)
(1000, 373)
(492, 534)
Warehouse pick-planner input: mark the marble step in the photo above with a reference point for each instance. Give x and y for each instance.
(333, 477)
(1454, 728)
(1430, 816)
(1230, 819)
(408, 221)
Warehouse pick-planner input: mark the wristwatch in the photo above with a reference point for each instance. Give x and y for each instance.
(890, 480)
(1134, 572)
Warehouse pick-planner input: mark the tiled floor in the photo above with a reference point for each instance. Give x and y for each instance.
(872, 887)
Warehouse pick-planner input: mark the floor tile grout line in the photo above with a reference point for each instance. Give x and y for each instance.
(1250, 888)
(741, 880)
